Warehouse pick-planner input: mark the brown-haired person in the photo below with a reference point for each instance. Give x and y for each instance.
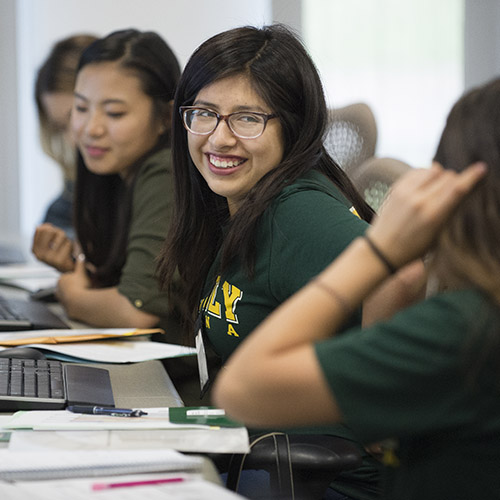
(54, 87)
(121, 124)
(426, 380)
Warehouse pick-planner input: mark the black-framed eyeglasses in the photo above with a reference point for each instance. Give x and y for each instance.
(243, 124)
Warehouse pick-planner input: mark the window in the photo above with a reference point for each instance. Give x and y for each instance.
(404, 59)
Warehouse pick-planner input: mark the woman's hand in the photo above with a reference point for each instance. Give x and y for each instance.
(416, 209)
(52, 246)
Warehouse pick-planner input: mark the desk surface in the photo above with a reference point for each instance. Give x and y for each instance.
(135, 385)
(145, 384)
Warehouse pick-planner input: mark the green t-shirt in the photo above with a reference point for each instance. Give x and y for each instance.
(308, 225)
(407, 380)
(304, 230)
(150, 219)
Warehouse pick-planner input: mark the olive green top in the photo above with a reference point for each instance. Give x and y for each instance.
(150, 219)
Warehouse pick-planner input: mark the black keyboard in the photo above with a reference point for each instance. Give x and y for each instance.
(29, 384)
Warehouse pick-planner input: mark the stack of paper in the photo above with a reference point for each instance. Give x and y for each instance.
(153, 487)
(104, 345)
(16, 466)
(62, 336)
(63, 430)
(156, 418)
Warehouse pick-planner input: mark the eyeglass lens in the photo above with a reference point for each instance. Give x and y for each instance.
(243, 124)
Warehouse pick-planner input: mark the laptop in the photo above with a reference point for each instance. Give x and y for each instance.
(41, 384)
(26, 314)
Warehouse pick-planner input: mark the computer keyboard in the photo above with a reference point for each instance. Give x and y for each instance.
(36, 384)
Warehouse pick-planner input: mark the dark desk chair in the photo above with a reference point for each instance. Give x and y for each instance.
(301, 466)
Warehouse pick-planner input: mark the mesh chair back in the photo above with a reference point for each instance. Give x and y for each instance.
(374, 177)
(352, 135)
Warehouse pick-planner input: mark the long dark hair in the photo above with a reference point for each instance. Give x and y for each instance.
(103, 202)
(284, 76)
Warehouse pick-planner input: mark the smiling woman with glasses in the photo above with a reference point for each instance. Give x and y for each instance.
(261, 207)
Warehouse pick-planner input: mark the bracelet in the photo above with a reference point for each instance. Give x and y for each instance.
(390, 267)
(341, 301)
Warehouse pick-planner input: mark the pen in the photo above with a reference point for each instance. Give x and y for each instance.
(99, 410)
(105, 486)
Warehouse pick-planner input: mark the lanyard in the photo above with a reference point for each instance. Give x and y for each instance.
(201, 355)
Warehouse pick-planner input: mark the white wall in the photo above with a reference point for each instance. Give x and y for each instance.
(183, 24)
(9, 182)
(481, 41)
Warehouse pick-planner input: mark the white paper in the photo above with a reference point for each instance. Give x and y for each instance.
(207, 440)
(30, 270)
(30, 276)
(88, 463)
(114, 351)
(31, 284)
(156, 418)
(193, 488)
(4, 419)
(119, 351)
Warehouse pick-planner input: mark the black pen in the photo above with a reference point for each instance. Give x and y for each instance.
(99, 410)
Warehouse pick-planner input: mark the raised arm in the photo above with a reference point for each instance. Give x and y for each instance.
(274, 378)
